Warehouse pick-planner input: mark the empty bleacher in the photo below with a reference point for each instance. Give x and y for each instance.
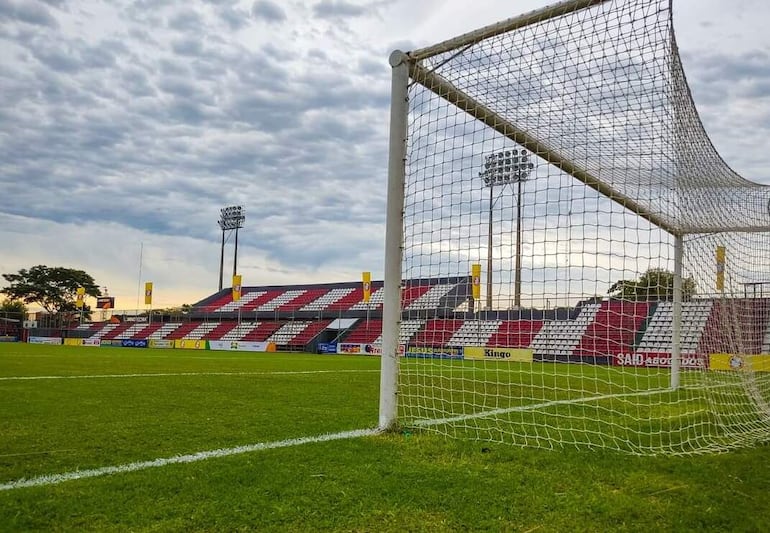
(658, 334)
(406, 332)
(515, 333)
(430, 297)
(437, 332)
(238, 332)
(131, 331)
(164, 330)
(298, 334)
(201, 331)
(221, 330)
(115, 331)
(474, 333)
(375, 301)
(365, 332)
(302, 299)
(613, 329)
(557, 339)
(347, 302)
(262, 331)
(330, 299)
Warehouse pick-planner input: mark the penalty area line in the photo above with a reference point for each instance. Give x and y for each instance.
(55, 479)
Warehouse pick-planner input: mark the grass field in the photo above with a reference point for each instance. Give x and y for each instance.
(71, 411)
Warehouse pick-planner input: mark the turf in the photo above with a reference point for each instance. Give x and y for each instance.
(408, 481)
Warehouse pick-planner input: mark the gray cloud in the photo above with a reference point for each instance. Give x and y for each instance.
(268, 11)
(338, 9)
(27, 12)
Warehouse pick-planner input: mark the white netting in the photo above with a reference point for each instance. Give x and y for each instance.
(573, 141)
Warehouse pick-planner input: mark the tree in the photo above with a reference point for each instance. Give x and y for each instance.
(52, 288)
(655, 284)
(14, 309)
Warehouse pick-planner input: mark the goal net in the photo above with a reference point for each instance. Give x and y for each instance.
(618, 270)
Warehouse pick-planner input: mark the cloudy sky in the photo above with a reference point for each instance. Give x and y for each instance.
(126, 126)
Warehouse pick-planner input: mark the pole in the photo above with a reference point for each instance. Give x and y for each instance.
(517, 282)
(489, 247)
(394, 232)
(222, 260)
(235, 254)
(676, 345)
(139, 280)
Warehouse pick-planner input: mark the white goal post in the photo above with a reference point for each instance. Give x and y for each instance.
(618, 270)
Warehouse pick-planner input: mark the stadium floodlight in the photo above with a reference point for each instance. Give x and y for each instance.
(504, 168)
(231, 218)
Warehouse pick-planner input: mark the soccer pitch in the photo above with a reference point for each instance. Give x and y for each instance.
(121, 439)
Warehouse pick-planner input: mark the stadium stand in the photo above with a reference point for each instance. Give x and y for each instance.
(438, 313)
(437, 332)
(331, 298)
(262, 332)
(657, 335)
(475, 333)
(613, 329)
(365, 332)
(221, 330)
(557, 339)
(111, 330)
(164, 330)
(515, 333)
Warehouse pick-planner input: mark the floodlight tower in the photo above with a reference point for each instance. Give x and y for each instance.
(502, 168)
(231, 218)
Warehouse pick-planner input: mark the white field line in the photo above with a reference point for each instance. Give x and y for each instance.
(533, 407)
(54, 479)
(171, 374)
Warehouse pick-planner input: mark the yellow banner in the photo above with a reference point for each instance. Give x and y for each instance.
(148, 293)
(476, 276)
(727, 361)
(519, 355)
(367, 284)
(720, 268)
(80, 298)
(236, 287)
(190, 344)
(73, 342)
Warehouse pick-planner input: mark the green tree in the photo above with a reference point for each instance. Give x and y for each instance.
(52, 288)
(14, 309)
(655, 284)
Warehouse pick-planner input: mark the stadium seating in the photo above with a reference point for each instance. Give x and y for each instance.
(657, 335)
(375, 301)
(613, 329)
(113, 332)
(474, 333)
(262, 332)
(557, 339)
(201, 331)
(424, 298)
(164, 330)
(216, 302)
(515, 333)
(437, 332)
(365, 332)
(298, 333)
(222, 328)
(332, 300)
(348, 300)
(302, 299)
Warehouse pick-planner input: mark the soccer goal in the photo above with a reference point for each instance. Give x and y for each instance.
(618, 270)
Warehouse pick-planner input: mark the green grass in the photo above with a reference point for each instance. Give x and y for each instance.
(410, 481)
